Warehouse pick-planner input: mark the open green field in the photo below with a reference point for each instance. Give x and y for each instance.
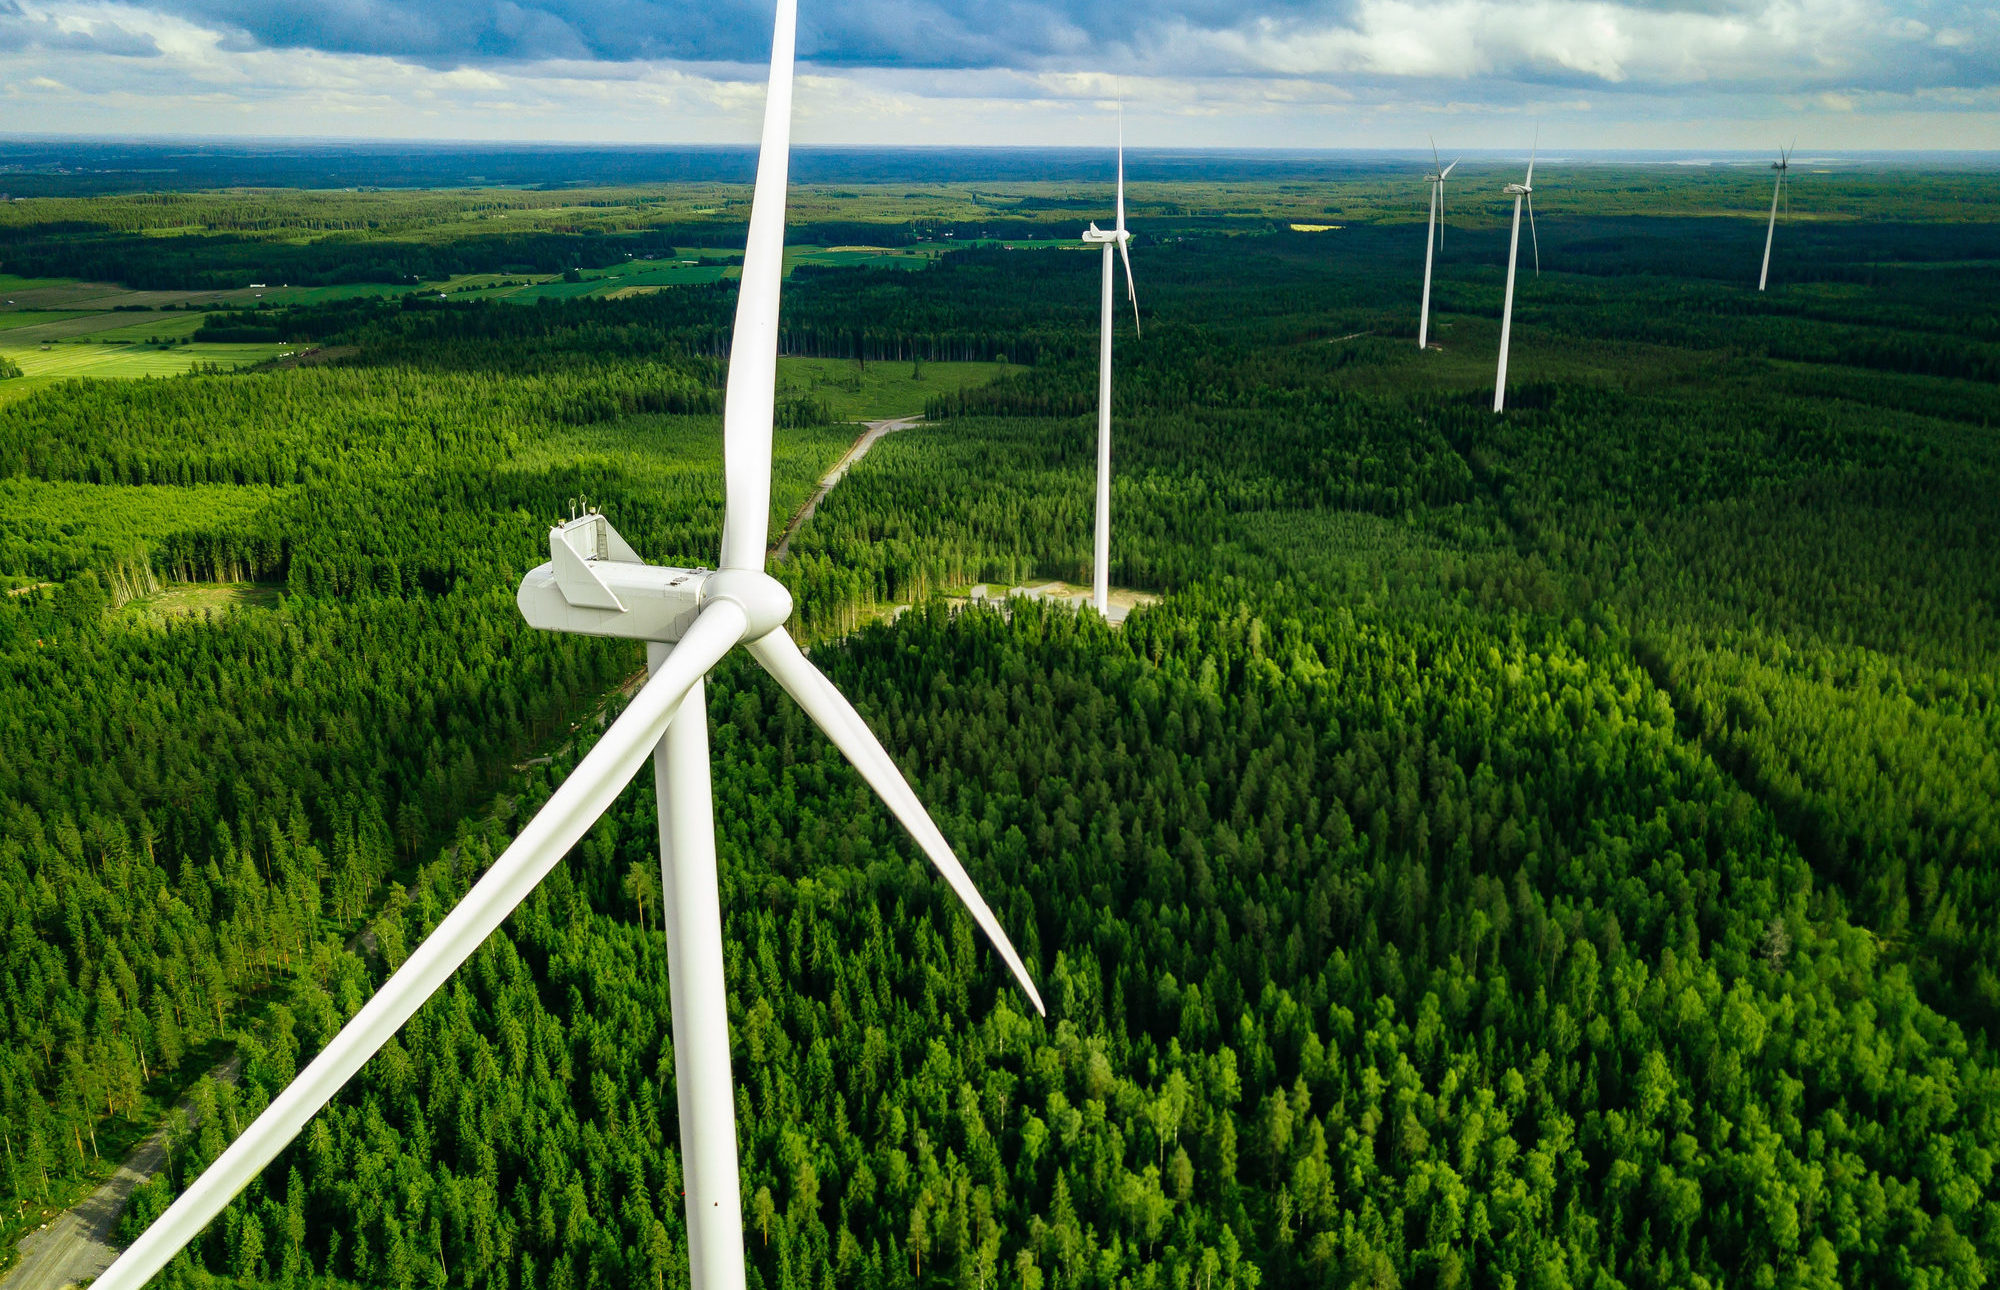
(617, 280)
(12, 285)
(22, 329)
(124, 361)
(876, 390)
(200, 602)
(286, 295)
(175, 325)
(640, 275)
(11, 320)
(851, 257)
(38, 311)
(44, 295)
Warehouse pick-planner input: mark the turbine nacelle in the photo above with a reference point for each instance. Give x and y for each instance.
(1099, 236)
(1517, 189)
(595, 585)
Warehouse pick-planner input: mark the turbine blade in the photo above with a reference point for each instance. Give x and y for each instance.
(749, 404)
(1121, 167)
(558, 826)
(1130, 289)
(834, 715)
(1437, 162)
(1536, 237)
(1446, 172)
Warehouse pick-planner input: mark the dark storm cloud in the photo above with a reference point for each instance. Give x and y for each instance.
(1894, 45)
(20, 30)
(903, 33)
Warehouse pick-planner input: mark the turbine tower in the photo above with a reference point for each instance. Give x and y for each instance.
(596, 584)
(1523, 191)
(1432, 239)
(1116, 237)
(1783, 165)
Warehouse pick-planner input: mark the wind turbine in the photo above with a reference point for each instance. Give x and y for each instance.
(1432, 239)
(596, 584)
(1525, 190)
(1118, 237)
(1783, 165)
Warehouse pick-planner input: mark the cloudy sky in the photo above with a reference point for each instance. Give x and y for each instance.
(1683, 74)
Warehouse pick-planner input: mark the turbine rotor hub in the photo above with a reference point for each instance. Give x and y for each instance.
(765, 603)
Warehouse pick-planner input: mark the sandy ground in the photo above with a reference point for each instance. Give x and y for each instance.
(1119, 601)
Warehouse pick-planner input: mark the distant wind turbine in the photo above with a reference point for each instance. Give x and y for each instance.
(1432, 239)
(1783, 165)
(1525, 190)
(1118, 237)
(690, 618)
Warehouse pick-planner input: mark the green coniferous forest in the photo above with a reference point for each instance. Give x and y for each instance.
(1549, 850)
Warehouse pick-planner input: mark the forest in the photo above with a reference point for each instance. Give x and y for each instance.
(1540, 851)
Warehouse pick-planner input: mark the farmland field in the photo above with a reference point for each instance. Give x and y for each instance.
(108, 360)
(10, 320)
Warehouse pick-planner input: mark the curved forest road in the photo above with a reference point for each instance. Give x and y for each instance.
(875, 430)
(75, 1247)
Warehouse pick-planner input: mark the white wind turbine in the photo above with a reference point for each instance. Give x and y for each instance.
(1783, 165)
(1432, 239)
(1115, 237)
(1525, 190)
(689, 618)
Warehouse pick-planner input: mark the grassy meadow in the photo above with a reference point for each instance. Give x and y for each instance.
(855, 391)
(130, 360)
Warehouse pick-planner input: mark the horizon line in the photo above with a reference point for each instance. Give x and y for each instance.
(357, 141)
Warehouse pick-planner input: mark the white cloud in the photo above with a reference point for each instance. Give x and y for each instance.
(1530, 39)
(1374, 73)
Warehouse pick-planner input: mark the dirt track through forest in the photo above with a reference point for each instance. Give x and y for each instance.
(875, 430)
(75, 1246)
